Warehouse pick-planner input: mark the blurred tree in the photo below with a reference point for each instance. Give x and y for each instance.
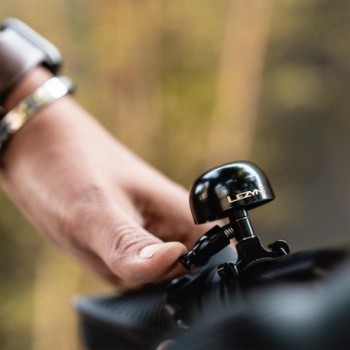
(233, 125)
(302, 134)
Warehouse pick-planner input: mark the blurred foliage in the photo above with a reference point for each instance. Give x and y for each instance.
(187, 85)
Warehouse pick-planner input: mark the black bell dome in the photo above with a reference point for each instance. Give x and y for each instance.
(229, 187)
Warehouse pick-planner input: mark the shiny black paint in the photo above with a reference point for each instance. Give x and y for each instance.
(229, 191)
(211, 193)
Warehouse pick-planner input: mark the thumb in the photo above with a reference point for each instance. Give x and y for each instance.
(159, 261)
(135, 255)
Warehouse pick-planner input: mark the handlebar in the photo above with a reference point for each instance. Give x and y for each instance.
(297, 301)
(254, 298)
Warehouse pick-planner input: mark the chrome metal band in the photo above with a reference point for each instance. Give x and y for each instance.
(52, 90)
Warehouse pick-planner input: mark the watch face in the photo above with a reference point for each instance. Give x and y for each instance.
(53, 58)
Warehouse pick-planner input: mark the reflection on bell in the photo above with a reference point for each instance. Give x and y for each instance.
(229, 187)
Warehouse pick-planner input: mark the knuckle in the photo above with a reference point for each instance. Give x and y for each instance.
(125, 242)
(124, 237)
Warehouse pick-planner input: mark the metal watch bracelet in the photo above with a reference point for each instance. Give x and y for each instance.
(50, 91)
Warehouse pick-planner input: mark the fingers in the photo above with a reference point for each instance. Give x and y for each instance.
(130, 252)
(135, 255)
(146, 239)
(155, 262)
(166, 212)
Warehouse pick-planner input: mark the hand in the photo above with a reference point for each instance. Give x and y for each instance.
(92, 197)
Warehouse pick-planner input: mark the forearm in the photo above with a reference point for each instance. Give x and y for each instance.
(57, 150)
(90, 195)
(39, 161)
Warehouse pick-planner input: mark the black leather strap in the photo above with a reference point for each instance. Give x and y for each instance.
(21, 50)
(17, 57)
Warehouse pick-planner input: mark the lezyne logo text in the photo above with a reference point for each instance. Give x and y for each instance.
(244, 195)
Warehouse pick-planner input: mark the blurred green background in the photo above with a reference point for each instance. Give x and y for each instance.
(188, 85)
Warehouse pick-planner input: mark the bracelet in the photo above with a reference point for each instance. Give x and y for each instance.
(52, 90)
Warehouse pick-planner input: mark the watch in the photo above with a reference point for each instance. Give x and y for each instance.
(21, 50)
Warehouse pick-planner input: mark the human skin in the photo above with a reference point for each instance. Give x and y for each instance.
(94, 198)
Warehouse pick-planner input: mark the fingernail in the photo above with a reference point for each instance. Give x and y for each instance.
(149, 251)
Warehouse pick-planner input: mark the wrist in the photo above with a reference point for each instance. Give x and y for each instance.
(47, 93)
(27, 65)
